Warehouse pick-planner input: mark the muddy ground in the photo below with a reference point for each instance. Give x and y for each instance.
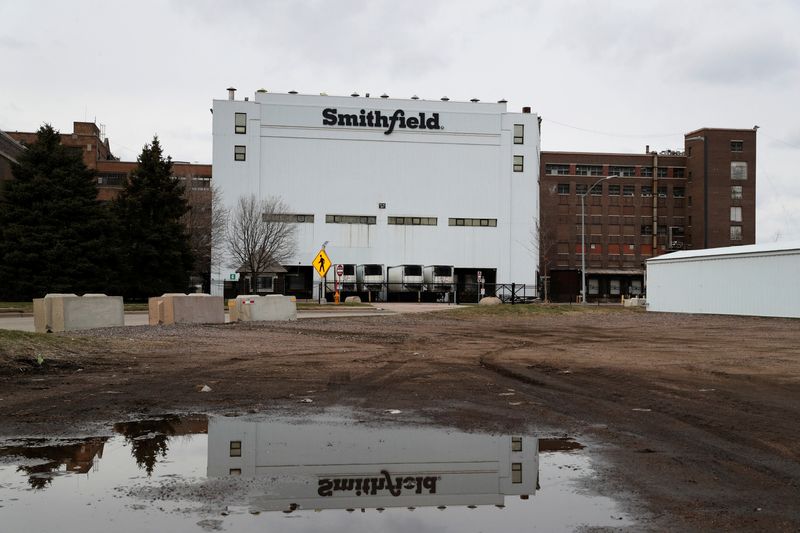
(697, 417)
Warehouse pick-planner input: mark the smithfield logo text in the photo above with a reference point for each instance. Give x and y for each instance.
(371, 485)
(376, 119)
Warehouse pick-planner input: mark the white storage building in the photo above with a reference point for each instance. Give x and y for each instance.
(387, 181)
(755, 280)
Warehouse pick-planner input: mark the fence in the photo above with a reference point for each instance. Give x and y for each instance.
(461, 293)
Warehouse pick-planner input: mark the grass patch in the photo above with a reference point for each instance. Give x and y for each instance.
(541, 309)
(24, 307)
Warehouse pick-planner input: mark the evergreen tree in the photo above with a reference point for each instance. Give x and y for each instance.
(52, 227)
(154, 254)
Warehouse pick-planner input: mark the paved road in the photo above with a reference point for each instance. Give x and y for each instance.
(25, 323)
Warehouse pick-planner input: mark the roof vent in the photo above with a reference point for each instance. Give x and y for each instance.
(231, 93)
(384, 95)
(292, 92)
(445, 99)
(415, 97)
(502, 101)
(474, 100)
(526, 109)
(262, 90)
(354, 94)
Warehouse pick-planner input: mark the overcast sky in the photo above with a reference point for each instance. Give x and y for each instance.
(603, 75)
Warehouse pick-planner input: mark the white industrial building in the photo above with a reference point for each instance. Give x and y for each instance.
(387, 181)
(755, 280)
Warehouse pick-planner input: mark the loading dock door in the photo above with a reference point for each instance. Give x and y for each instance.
(467, 283)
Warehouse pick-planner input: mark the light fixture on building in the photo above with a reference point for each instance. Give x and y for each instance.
(445, 99)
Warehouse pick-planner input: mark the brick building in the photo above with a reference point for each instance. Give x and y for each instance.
(10, 149)
(640, 206)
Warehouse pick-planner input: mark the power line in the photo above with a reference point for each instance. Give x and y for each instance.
(611, 134)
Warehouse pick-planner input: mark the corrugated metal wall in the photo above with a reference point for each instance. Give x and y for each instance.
(758, 284)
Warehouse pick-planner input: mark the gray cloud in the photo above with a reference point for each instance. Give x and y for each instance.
(743, 61)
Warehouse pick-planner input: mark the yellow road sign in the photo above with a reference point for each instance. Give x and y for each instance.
(321, 263)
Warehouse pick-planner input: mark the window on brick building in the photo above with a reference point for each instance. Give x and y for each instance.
(581, 188)
(563, 188)
(556, 170)
(628, 190)
(621, 171)
(613, 190)
(736, 214)
(737, 146)
(662, 192)
(646, 172)
(589, 170)
(662, 172)
(738, 170)
(647, 191)
(647, 229)
(736, 192)
(678, 192)
(677, 172)
(736, 233)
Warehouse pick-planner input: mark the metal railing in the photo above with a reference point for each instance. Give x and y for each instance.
(456, 293)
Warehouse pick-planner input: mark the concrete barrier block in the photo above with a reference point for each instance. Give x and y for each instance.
(254, 308)
(69, 312)
(176, 308)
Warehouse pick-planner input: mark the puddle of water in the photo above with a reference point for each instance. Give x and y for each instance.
(249, 474)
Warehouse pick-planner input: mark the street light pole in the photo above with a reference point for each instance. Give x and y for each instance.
(583, 235)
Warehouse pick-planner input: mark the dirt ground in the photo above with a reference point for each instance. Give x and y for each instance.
(697, 418)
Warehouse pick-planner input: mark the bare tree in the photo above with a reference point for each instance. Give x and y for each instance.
(260, 234)
(205, 222)
(542, 245)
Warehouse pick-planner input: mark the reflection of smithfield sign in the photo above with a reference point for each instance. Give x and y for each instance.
(376, 119)
(371, 485)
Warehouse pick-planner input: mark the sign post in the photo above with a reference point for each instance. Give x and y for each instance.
(321, 263)
(339, 274)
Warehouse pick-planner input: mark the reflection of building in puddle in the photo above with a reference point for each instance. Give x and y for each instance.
(76, 457)
(341, 466)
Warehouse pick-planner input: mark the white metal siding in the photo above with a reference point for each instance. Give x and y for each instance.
(461, 171)
(764, 283)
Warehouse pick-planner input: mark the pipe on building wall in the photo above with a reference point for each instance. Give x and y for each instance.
(655, 205)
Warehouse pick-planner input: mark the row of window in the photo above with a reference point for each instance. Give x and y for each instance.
(372, 220)
(616, 190)
(625, 171)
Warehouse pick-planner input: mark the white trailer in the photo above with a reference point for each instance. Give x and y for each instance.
(755, 280)
(438, 278)
(405, 278)
(370, 278)
(347, 282)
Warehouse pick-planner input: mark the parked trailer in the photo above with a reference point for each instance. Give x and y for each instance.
(405, 278)
(347, 282)
(438, 278)
(369, 278)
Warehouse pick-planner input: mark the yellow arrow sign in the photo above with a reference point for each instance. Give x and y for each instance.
(321, 263)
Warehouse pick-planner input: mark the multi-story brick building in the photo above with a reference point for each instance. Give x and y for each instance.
(640, 206)
(10, 150)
